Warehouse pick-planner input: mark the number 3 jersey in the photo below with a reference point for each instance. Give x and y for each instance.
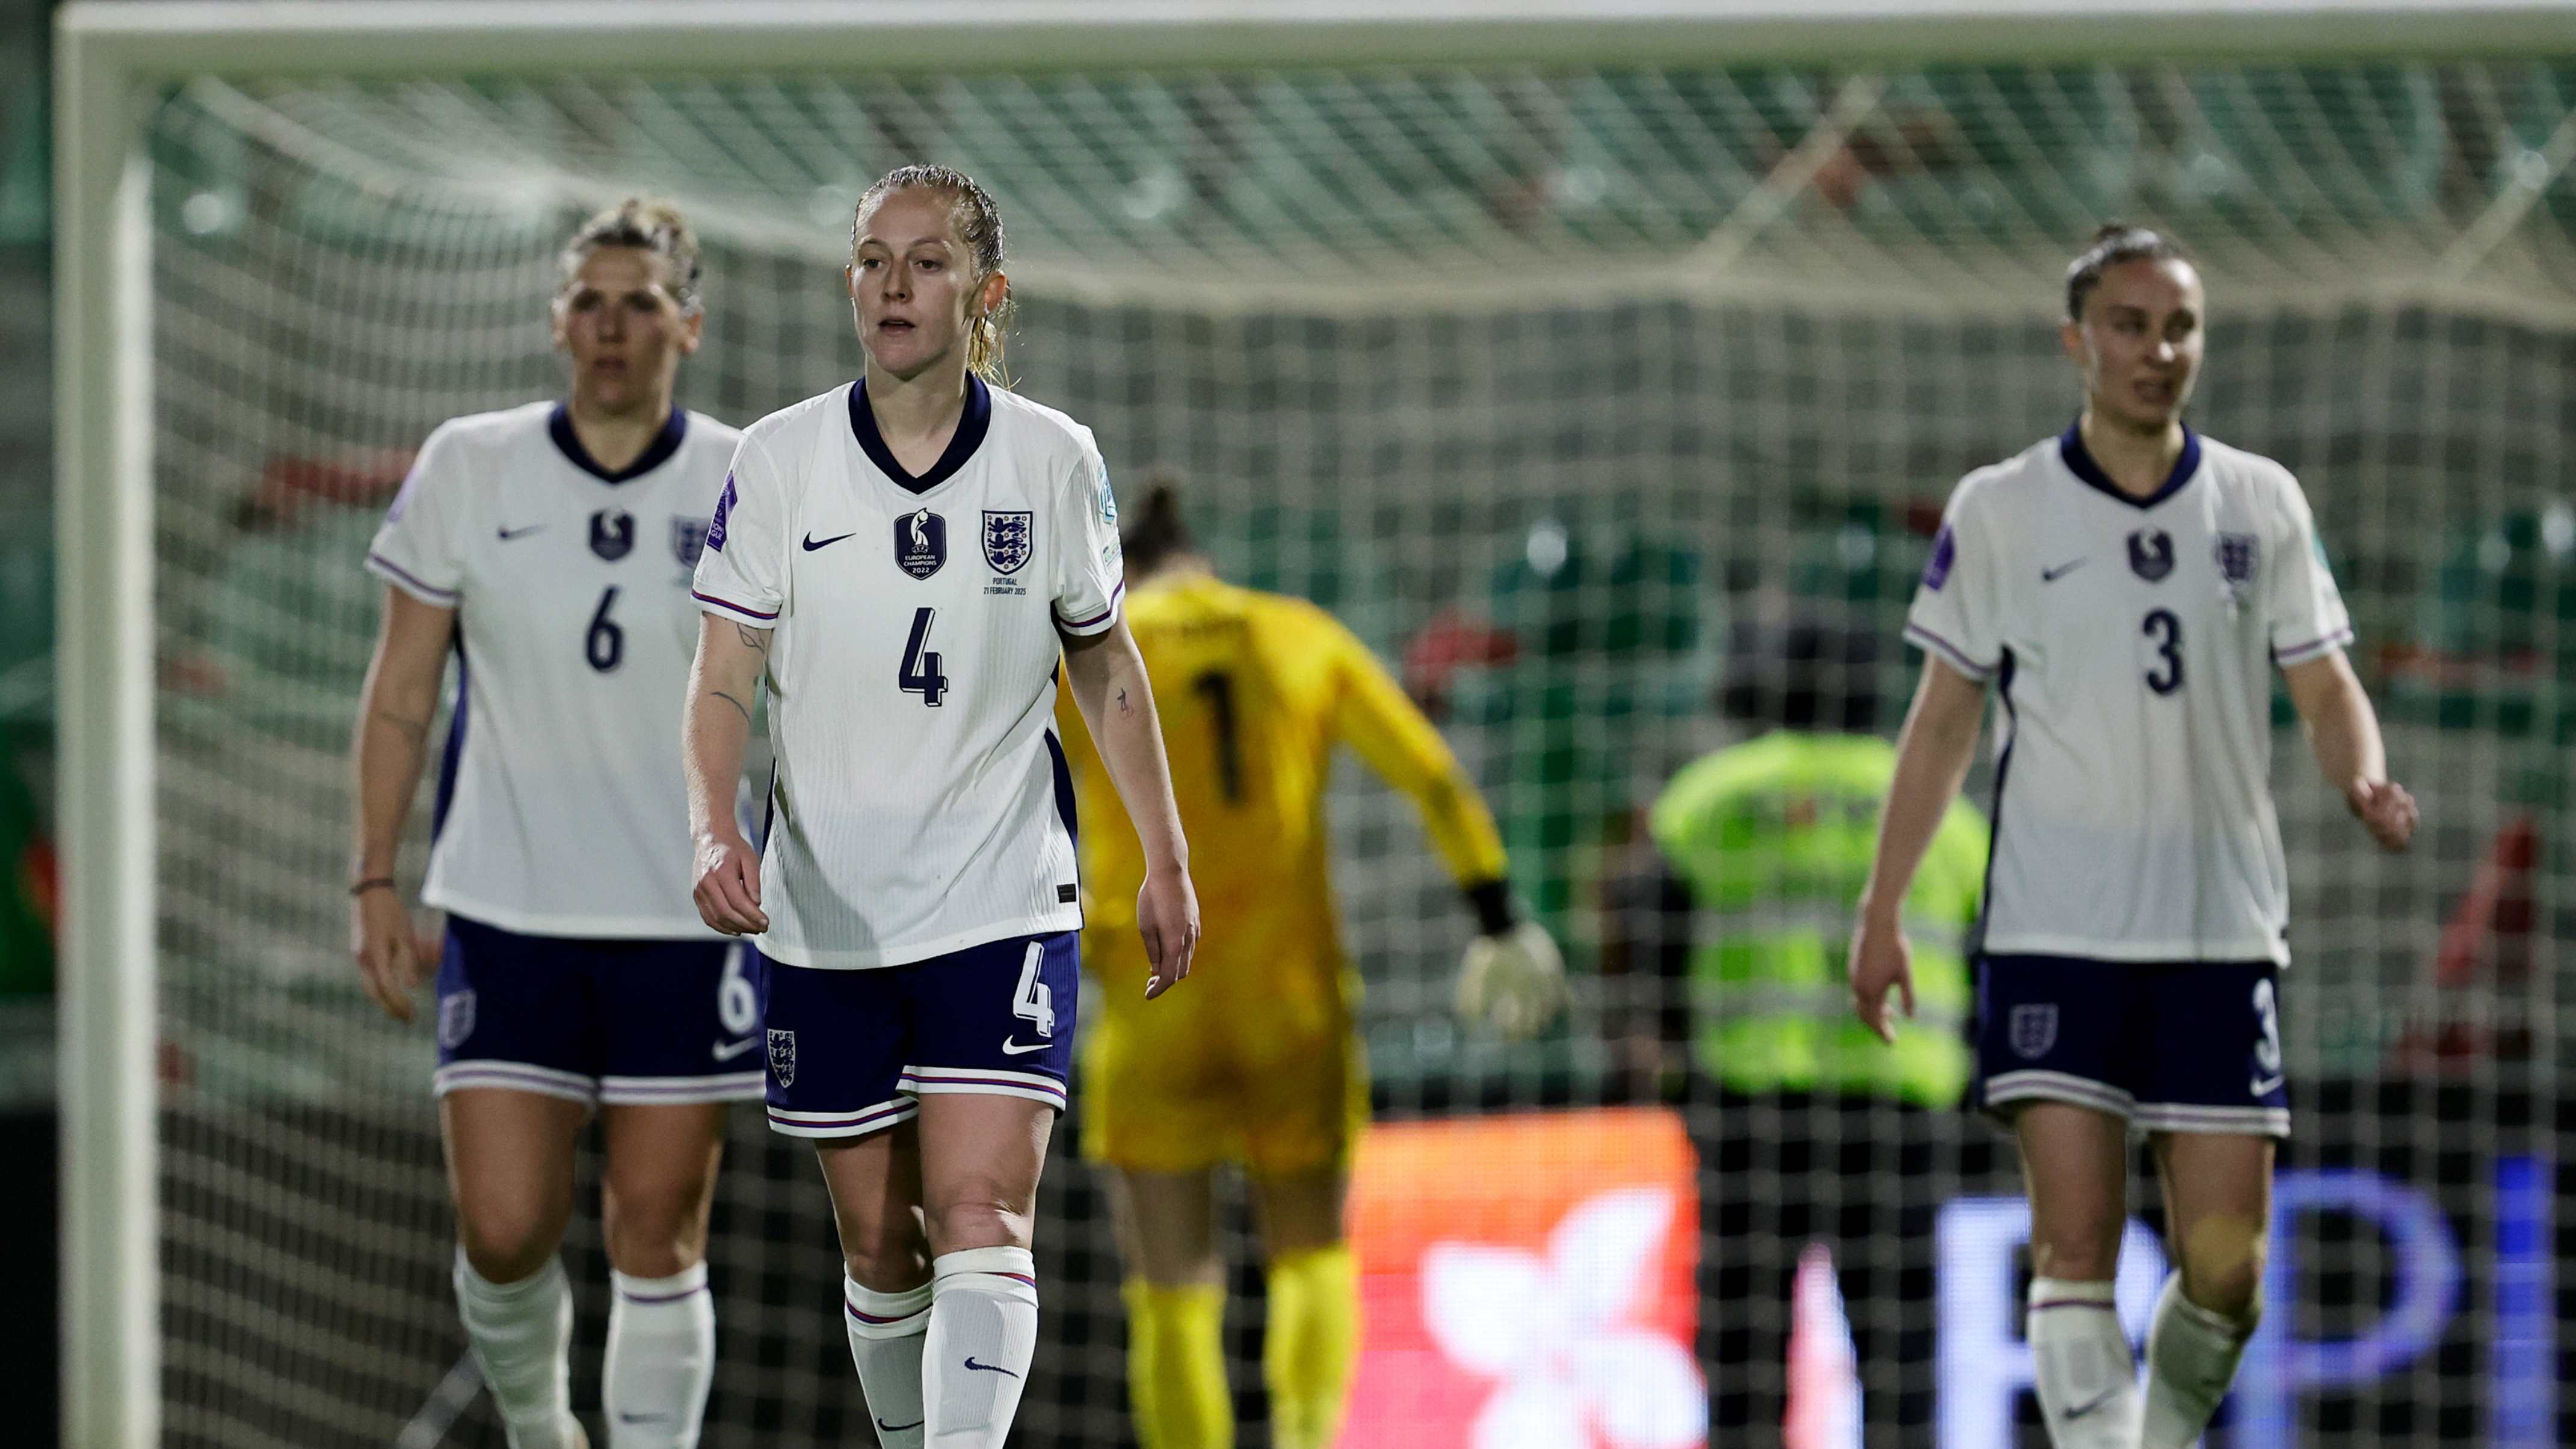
(921, 803)
(2132, 643)
(561, 809)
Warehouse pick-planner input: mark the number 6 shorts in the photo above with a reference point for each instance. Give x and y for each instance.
(594, 1020)
(850, 1052)
(2181, 1046)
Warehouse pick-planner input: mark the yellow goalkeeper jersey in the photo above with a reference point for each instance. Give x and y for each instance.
(1254, 691)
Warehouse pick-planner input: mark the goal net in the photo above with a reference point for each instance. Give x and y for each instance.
(1566, 386)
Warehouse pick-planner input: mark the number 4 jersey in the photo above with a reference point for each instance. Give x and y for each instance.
(920, 804)
(561, 810)
(2132, 643)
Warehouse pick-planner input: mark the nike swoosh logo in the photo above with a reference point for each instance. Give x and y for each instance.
(2050, 576)
(2078, 1411)
(2265, 1086)
(510, 533)
(988, 1368)
(899, 1428)
(1015, 1047)
(812, 543)
(725, 1053)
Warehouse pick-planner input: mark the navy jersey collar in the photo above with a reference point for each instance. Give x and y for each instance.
(2079, 461)
(655, 454)
(971, 427)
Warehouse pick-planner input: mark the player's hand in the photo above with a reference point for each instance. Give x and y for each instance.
(2385, 809)
(728, 889)
(390, 961)
(1513, 983)
(1167, 916)
(1881, 957)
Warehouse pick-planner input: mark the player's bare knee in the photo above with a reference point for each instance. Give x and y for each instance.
(885, 1252)
(655, 1224)
(2084, 1250)
(655, 1241)
(2222, 1262)
(2078, 1242)
(884, 1268)
(2082, 1264)
(505, 1247)
(983, 1220)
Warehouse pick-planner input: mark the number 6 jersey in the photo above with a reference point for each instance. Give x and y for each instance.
(921, 804)
(2132, 643)
(561, 809)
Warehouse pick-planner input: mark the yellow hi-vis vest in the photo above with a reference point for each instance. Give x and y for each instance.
(1774, 838)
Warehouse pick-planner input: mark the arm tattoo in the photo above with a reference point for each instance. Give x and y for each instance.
(739, 706)
(753, 639)
(1123, 706)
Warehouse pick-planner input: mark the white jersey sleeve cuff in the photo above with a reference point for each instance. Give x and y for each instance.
(724, 608)
(409, 582)
(2312, 649)
(1957, 658)
(1097, 621)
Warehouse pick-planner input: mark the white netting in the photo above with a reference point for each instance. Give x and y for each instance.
(1601, 362)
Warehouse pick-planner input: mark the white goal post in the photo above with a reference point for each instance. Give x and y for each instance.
(114, 61)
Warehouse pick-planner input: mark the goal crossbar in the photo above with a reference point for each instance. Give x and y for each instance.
(492, 37)
(115, 61)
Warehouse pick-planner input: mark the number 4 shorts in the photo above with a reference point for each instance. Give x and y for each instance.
(850, 1052)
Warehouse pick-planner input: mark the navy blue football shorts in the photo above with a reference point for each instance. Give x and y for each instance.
(597, 1020)
(2181, 1046)
(850, 1052)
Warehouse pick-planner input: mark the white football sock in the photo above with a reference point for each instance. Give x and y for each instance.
(983, 1332)
(519, 1333)
(887, 1331)
(661, 1359)
(2080, 1360)
(2191, 1359)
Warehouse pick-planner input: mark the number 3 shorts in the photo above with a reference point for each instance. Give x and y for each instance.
(2182, 1046)
(850, 1052)
(597, 1020)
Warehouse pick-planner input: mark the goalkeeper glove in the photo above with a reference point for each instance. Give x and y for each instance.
(1512, 982)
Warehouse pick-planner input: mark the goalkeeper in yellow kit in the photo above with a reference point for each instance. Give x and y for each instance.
(1258, 1063)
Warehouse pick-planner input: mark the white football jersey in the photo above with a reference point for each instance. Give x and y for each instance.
(920, 803)
(2132, 642)
(561, 807)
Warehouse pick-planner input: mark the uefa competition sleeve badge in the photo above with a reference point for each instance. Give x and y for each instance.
(1945, 552)
(1108, 498)
(724, 508)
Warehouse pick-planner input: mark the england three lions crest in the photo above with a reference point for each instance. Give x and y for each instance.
(2032, 1029)
(1006, 540)
(688, 540)
(2239, 554)
(782, 1056)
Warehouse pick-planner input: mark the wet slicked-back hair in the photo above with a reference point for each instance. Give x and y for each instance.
(2115, 242)
(646, 224)
(978, 223)
(1155, 534)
